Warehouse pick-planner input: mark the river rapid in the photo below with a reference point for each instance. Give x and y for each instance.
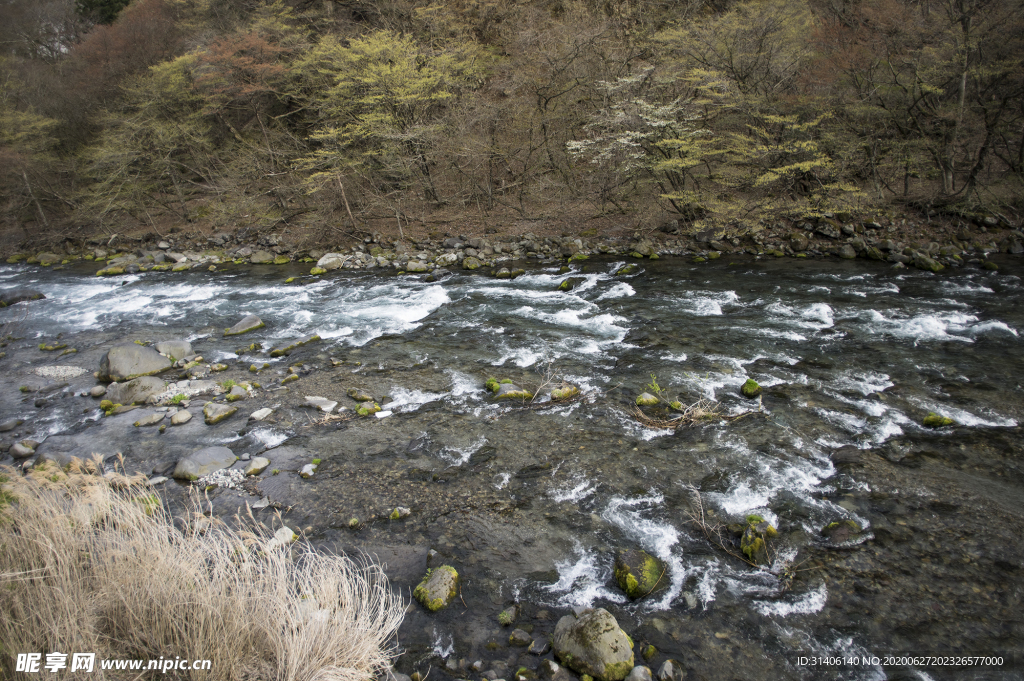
(531, 502)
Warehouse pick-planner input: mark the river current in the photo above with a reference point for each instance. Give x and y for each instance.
(530, 503)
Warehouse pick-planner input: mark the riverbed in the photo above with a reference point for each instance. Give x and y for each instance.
(530, 501)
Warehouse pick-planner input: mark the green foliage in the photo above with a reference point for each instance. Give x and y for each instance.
(100, 11)
(653, 386)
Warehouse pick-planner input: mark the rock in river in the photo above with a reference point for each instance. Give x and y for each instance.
(638, 572)
(438, 588)
(203, 462)
(19, 295)
(181, 417)
(174, 349)
(286, 348)
(124, 362)
(215, 413)
(247, 323)
(137, 390)
(594, 645)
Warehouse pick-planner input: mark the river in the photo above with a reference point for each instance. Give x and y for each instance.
(530, 503)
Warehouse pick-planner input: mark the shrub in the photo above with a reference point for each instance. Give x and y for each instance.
(88, 564)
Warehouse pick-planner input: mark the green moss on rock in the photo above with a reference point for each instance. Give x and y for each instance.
(750, 388)
(933, 420)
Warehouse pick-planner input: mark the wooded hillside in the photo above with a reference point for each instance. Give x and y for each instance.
(231, 113)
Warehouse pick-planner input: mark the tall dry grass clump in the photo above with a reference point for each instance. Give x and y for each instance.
(94, 564)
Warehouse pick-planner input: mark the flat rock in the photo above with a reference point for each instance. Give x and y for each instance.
(286, 348)
(215, 413)
(181, 417)
(137, 390)
(128, 361)
(261, 258)
(247, 323)
(322, 403)
(98, 391)
(10, 425)
(594, 644)
(150, 420)
(257, 465)
(261, 414)
(174, 349)
(20, 451)
(331, 261)
(203, 462)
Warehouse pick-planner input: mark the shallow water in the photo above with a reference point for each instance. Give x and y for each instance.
(530, 504)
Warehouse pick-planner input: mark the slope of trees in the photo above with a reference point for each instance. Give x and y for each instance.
(229, 112)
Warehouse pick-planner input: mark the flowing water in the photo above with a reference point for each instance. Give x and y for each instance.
(530, 503)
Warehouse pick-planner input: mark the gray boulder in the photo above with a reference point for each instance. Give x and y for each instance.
(261, 258)
(124, 362)
(247, 323)
(595, 645)
(137, 390)
(331, 261)
(181, 417)
(204, 462)
(175, 349)
(19, 295)
(640, 673)
(257, 465)
(670, 670)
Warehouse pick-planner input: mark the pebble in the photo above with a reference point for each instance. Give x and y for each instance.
(225, 477)
(98, 391)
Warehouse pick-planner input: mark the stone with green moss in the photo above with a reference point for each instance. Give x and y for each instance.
(492, 385)
(647, 400)
(315, 271)
(107, 271)
(841, 531)
(626, 269)
(245, 324)
(286, 348)
(638, 573)
(565, 392)
(649, 652)
(438, 588)
(933, 420)
(511, 391)
(594, 645)
(368, 408)
(50, 347)
(359, 395)
(750, 388)
(754, 542)
(570, 283)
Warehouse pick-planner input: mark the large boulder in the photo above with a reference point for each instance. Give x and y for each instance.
(136, 390)
(215, 412)
(203, 462)
(19, 295)
(261, 258)
(438, 588)
(128, 361)
(247, 323)
(175, 349)
(594, 645)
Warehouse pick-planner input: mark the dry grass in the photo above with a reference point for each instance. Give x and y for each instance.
(89, 564)
(701, 411)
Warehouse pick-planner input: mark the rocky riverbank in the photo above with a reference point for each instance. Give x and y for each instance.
(902, 243)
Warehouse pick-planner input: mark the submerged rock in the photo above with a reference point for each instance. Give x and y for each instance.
(511, 391)
(841, 531)
(594, 645)
(566, 392)
(637, 572)
(124, 362)
(288, 347)
(19, 295)
(438, 588)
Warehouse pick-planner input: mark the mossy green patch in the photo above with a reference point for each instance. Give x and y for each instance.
(933, 420)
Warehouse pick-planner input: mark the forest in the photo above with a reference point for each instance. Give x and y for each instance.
(342, 114)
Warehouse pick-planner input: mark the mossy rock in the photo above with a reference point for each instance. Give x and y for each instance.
(570, 283)
(593, 645)
(750, 388)
(181, 267)
(359, 395)
(438, 588)
(646, 400)
(753, 543)
(578, 256)
(637, 572)
(637, 254)
(626, 269)
(492, 385)
(286, 348)
(564, 393)
(511, 391)
(282, 260)
(317, 271)
(699, 259)
(677, 405)
(50, 347)
(933, 420)
(107, 271)
(368, 408)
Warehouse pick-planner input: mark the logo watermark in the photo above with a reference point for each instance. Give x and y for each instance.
(37, 663)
